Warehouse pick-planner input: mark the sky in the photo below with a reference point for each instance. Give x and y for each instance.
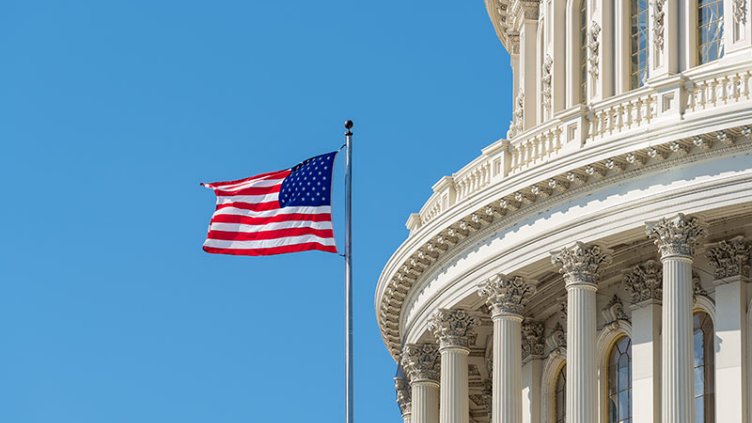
(112, 112)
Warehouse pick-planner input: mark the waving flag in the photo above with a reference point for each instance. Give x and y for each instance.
(274, 213)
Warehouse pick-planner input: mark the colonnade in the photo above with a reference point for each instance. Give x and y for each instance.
(438, 372)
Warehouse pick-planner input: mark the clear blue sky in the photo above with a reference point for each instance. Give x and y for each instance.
(112, 112)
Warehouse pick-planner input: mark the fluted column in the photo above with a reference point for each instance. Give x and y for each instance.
(644, 283)
(580, 264)
(506, 296)
(731, 261)
(452, 329)
(421, 365)
(676, 239)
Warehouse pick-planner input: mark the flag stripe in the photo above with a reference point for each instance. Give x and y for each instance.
(269, 235)
(265, 198)
(254, 190)
(248, 220)
(271, 251)
(268, 243)
(235, 227)
(256, 207)
(266, 213)
(277, 175)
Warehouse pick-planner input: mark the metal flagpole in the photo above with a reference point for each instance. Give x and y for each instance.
(348, 277)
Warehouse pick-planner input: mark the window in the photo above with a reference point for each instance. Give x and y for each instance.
(639, 41)
(704, 364)
(710, 28)
(583, 51)
(620, 382)
(560, 403)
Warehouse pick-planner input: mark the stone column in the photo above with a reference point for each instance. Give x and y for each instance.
(731, 261)
(404, 397)
(533, 346)
(644, 284)
(580, 264)
(452, 329)
(676, 239)
(421, 365)
(506, 296)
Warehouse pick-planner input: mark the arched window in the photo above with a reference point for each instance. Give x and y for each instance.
(639, 41)
(620, 382)
(583, 51)
(560, 394)
(710, 30)
(704, 364)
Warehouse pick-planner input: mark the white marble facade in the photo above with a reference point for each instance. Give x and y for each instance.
(593, 266)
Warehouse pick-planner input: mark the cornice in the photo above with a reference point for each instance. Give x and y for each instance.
(422, 254)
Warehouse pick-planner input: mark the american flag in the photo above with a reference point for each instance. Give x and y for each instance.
(274, 213)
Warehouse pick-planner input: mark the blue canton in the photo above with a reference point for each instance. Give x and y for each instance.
(309, 183)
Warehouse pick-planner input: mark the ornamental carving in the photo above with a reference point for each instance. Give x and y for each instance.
(557, 339)
(581, 262)
(677, 236)
(593, 45)
(404, 395)
(421, 362)
(645, 282)
(730, 258)
(548, 64)
(518, 115)
(740, 11)
(506, 295)
(453, 328)
(659, 17)
(614, 311)
(533, 343)
(697, 289)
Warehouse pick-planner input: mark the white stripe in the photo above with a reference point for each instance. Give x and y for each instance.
(256, 183)
(268, 243)
(253, 199)
(237, 227)
(267, 213)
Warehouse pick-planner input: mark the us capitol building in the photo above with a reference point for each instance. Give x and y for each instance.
(594, 266)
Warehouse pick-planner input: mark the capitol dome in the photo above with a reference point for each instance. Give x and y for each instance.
(593, 266)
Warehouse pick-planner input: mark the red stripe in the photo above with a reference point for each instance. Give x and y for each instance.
(278, 233)
(277, 174)
(247, 220)
(273, 250)
(249, 191)
(271, 205)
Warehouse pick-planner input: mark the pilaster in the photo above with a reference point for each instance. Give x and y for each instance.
(532, 370)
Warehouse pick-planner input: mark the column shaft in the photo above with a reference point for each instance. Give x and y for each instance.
(646, 363)
(425, 402)
(455, 407)
(731, 351)
(581, 349)
(677, 394)
(507, 377)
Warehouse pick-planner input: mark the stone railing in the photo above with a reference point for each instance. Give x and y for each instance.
(656, 106)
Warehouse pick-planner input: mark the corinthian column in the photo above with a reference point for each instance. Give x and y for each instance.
(404, 396)
(580, 264)
(421, 365)
(506, 296)
(452, 329)
(676, 239)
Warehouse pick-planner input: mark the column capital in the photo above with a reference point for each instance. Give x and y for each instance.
(676, 236)
(421, 362)
(644, 283)
(506, 294)
(404, 395)
(730, 258)
(581, 262)
(533, 344)
(452, 328)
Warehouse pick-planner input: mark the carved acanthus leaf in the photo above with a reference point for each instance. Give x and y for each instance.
(659, 17)
(581, 262)
(644, 282)
(557, 339)
(740, 11)
(678, 235)
(506, 294)
(404, 394)
(421, 362)
(453, 328)
(533, 343)
(730, 258)
(547, 76)
(593, 44)
(614, 311)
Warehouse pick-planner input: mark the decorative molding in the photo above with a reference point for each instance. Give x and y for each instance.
(421, 362)
(533, 342)
(557, 339)
(506, 294)
(581, 262)
(740, 11)
(593, 45)
(644, 282)
(697, 289)
(659, 17)
(518, 115)
(453, 328)
(614, 311)
(404, 395)
(677, 236)
(547, 76)
(730, 258)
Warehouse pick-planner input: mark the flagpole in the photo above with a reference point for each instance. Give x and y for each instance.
(348, 277)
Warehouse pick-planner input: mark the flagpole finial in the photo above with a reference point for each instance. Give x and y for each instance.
(348, 126)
